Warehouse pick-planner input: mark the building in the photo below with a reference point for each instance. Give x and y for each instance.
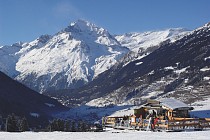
(167, 108)
(175, 108)
(164, 109)
(167, 114)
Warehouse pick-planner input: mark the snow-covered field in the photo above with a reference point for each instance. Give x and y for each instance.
(109, 135)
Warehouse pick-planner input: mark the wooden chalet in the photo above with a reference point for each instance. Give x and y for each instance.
(171, 114)
(175, 108)
(168, 108)
(164, 109)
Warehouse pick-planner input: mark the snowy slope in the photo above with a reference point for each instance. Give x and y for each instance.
(108, 135)
(10, 55)
(141, 41)
(9, 58)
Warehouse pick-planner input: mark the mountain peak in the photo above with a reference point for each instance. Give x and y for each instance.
(82, 23)
(85, 26)
(207, 25)
(204, 27)
(180, 29)
(18, 44)
(44, 38)
(79, 26)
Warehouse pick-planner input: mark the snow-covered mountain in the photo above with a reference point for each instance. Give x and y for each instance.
(69, 59)
(177, 69)
(8, 59)
(142, 44)
(138, 42)
(10, 55)
(76, 55)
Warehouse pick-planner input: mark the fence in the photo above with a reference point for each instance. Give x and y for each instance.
(173, 124)
(177, 124)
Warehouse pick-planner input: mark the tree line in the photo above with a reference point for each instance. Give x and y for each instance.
(13, 123)
(68, 126)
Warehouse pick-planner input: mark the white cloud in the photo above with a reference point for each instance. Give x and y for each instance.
(1, 35)
(67, 10)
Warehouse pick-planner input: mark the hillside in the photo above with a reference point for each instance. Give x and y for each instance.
(177, 69)
(22, 101)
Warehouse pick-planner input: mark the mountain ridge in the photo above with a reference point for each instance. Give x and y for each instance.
(69, 59)
(175, 69)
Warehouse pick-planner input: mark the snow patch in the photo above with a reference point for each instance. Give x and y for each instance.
(186, 80)
(202, 105)
(181, 70)
(50, 105)
(206, 78)
(207, 58)
(205, 69)
(169, 68)
(152, 72)
(36, 115)
(139, 63)
(151, 94)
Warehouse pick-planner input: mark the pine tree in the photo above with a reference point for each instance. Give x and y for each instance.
(11, 124)
(24, 125)
(53, 125)
(49, 127)
(79, 126)
(60, 125)
(73, 126)
(57, 125)
(83, 126)
(67, 126)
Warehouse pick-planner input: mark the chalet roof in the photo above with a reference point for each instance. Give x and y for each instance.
(173, 103)
(121, 113)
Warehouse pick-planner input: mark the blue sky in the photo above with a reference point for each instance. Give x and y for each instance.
(25, 20)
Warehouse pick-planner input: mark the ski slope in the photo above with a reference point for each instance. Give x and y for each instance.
(109, 135)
